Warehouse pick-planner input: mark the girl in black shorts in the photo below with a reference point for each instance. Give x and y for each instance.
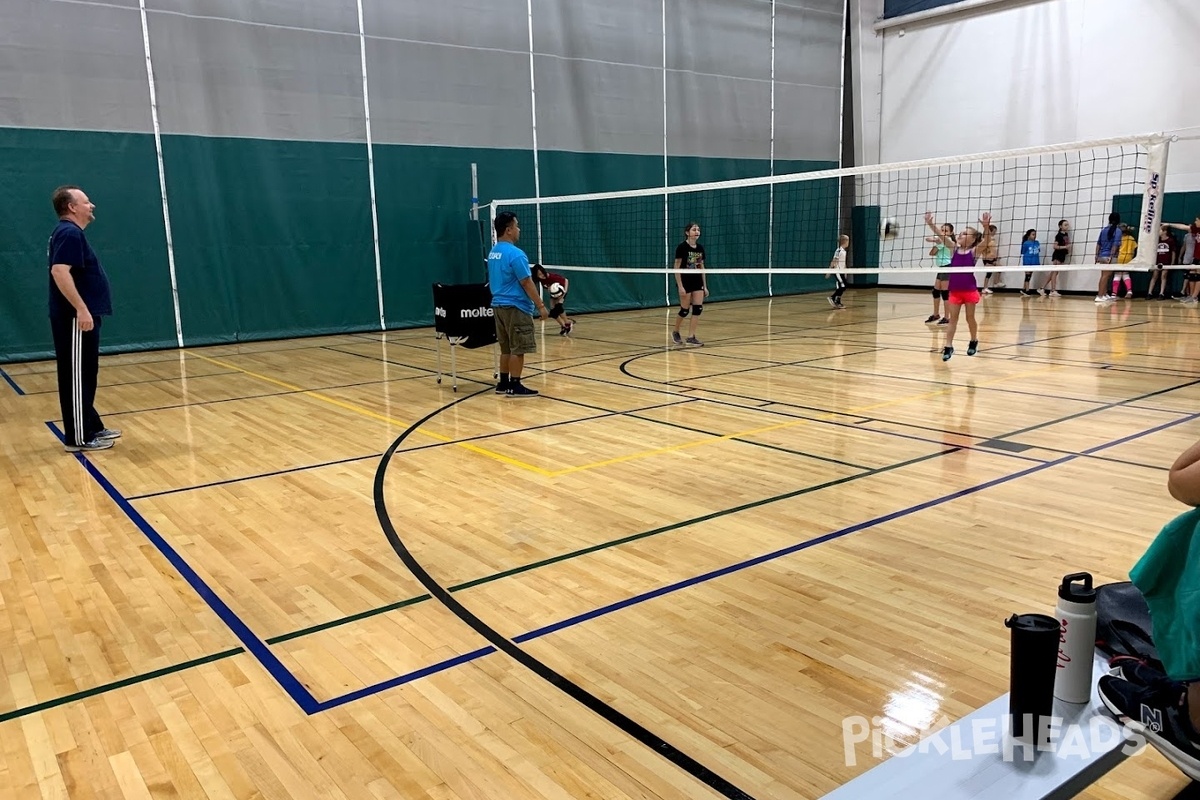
(691, 283)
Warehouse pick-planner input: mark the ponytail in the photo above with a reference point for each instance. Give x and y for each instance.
(1114, 219)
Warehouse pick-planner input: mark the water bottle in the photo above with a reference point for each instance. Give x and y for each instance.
(1031, 675)
(1076, 615)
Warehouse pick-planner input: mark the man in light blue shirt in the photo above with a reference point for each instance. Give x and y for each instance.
(514, 298)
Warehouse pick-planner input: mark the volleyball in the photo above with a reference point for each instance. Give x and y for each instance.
(557, 290)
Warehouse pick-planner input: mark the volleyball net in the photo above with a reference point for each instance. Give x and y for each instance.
(776, 234)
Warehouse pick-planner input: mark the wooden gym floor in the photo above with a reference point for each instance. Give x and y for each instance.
(733, 547)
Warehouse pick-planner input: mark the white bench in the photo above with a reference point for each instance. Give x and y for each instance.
(1089, 743)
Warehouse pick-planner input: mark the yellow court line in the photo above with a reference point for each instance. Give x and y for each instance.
(791, 424)
(366, 412)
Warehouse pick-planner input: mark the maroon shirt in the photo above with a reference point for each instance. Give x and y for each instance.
(552, 277)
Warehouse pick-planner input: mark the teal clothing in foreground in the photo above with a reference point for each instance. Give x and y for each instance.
(1168, 576)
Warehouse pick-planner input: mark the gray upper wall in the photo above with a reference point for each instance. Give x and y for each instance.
(453, 72)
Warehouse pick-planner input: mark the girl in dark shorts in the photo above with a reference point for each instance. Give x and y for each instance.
(691, 283)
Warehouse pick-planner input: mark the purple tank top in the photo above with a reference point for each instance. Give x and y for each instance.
(963, 281)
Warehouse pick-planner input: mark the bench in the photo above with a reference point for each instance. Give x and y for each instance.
(1089, 744)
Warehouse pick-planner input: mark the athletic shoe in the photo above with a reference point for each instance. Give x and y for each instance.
(564, 330)
(944, 321)
(501, 388)
(676, 338)
(1100, 298)
(932, 318)
(694, 342)
(1041, 292)
(832, 301)
(1159, 711)
(94, 444)
(521, 390)
(1055, 293)
(946, 353)
(108, 433)
(838, 304)
(987, 291)
(1026, 293)
(972, 347)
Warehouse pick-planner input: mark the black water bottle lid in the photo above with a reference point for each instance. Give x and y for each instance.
(1072, 590)
(1032, 623)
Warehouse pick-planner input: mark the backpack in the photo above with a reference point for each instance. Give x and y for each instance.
(1123, 627)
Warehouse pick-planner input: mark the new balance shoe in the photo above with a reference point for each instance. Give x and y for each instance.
(92, 444)
(1159, 711)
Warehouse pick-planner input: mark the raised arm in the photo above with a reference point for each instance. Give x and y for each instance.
(946, 240)
(985, 219)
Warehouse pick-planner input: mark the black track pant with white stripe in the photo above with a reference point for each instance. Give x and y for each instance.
(78, 356)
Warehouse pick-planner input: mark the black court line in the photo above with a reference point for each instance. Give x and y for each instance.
(352, 459)
(201, 403)
(122, 683)
(487, 579)
(634, 414)
(534, 665)
(174, 379)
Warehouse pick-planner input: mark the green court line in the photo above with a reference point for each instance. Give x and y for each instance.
(119, 684)
(87, 693)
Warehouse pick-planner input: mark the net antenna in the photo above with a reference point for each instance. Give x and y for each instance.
(788, 224)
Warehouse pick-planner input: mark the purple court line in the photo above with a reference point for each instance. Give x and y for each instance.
(732, 568)
(259, 649)
(8, 379)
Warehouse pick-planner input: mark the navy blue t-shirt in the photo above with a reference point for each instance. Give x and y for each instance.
(69, 246)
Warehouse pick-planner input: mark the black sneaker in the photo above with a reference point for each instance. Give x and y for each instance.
(838, 304)
(946, 353)
(932, 318)
(521, 390)
(1159, 711)
(944, 321)
(501, 388)
(972, 347)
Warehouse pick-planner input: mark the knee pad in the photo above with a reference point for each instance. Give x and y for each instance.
(683, 312)
(697, 310)
(944, 294)
(557, 311)
(936, 294)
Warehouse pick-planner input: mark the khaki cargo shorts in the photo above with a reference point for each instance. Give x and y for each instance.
(514, 331)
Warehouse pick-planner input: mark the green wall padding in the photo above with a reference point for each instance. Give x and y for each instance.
(426, 235)
(120, 175)
(1181, 208)
(272, 238)
(864, 242)
(606, 234)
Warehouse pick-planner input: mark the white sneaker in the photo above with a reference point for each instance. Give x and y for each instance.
(1055, 294)
(1100, 298)
(987, 291)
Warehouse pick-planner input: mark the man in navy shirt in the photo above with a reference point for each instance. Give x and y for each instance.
(79, 299)
(514, 298)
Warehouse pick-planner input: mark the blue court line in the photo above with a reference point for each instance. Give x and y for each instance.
(408, 677)
(8, 379)
(732, 568)
(286, 680)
